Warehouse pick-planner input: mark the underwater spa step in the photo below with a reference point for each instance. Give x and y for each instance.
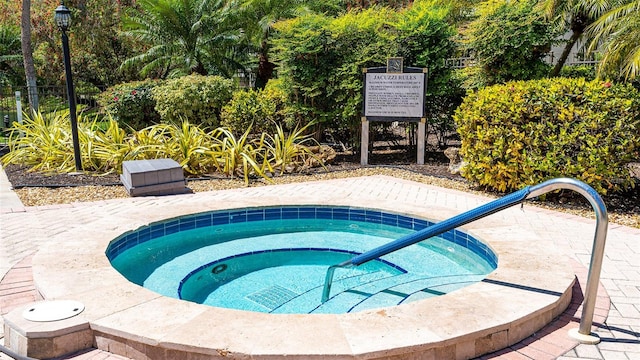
(417, 289)
(344, 300)
(397, 289)
(351, 293)
(312, 296)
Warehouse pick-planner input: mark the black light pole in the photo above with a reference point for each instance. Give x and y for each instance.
(63, 20)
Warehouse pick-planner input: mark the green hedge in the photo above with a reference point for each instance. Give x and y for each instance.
(320, 59)
(579, 71)
(522, 133)
(131, 104)
(196, 98)
(259, 109)
(510, 40)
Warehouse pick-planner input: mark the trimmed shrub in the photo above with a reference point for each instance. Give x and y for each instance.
(131, 104)
(510, 41)
(522, 133)
(261, 110)
(196, 98)
(579, 71)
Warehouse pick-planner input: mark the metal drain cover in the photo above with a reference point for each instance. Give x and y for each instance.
(272, 297)
(53, 310)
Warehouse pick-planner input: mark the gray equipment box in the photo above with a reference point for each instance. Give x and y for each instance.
(153, 177)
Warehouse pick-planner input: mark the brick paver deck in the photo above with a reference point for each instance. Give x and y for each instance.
(617, 317)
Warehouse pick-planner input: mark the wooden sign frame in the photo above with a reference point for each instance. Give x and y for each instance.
(394, 93)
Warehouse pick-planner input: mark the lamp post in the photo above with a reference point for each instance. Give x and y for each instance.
(63, 20)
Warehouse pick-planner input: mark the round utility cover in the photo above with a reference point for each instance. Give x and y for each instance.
(53, 310)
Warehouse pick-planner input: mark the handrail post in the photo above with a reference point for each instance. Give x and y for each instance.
(328, 279)
(583, 334)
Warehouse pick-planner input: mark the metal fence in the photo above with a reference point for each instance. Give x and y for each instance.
(460, 62)
(50, 99)
(575, 59)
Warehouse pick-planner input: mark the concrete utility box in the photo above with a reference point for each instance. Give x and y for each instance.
(153, 177)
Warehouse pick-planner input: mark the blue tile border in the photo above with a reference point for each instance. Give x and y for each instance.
(223, 217)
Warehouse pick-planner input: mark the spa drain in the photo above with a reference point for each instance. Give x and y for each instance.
(272, 297)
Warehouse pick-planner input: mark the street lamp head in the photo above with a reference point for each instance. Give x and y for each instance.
(63, 17)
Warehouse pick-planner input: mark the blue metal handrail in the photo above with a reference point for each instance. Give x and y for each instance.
(490, 208)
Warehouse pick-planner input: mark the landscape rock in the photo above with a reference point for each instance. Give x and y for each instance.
(455, 160)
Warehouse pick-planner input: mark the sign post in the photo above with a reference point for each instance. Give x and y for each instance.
(394, 93)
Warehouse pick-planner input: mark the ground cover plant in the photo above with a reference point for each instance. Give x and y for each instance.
(43, 144)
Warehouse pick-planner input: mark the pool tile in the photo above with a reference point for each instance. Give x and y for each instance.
(448, 236)
(237, 217)
(157, 233)
(293, 213)
(187, 226)
(357, 215)
(389, 219)
(144, 235)
(168, 230)
(307, 213)
(340, 214)
(421, 224)
(405, 222)
(324, 213)
(203, 221)
(220, 218)
(273, 214)
(255, 215)
(289, 213)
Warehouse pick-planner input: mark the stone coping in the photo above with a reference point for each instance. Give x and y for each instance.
(531, 286)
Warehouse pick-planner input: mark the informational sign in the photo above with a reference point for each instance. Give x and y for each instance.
(395, 95)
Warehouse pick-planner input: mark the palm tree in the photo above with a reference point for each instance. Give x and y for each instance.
(258, 18)
(27, 55)
(615, 34)
(575, 16)
(184, 37)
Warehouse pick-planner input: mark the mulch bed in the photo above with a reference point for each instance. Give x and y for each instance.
(625, 204)
(436, 165)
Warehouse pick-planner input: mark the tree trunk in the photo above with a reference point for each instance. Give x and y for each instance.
(579, 23)
(565, 53)
(27, 55)
(265, 67)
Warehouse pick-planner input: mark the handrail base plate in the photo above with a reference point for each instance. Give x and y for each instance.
(590, 339)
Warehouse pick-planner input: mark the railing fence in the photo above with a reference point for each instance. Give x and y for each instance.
(50, 99)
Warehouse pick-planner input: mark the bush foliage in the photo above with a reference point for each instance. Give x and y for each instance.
(131, 104)
(196, 98)
(522, 133)
(579, 71)
(260, 110)
(321, 59)
(43, 143)
(510, 41)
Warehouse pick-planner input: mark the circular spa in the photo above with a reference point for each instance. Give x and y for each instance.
(275, 259)
(507, 279)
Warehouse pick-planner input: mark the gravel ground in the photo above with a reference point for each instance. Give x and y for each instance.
(36, 189)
